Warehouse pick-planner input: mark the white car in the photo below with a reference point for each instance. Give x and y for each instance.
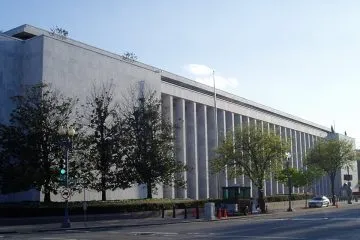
(319, 202)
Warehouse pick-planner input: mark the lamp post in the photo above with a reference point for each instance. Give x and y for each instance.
(349, 192)
(66, 134)
(288, 157)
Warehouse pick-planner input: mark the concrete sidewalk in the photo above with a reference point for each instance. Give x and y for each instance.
(32, 224)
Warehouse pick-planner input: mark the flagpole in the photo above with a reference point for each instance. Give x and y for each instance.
(216, 132)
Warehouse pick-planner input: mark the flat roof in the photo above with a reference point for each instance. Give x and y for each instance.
(168, 76)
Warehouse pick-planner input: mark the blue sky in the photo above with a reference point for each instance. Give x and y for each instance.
(301, 57)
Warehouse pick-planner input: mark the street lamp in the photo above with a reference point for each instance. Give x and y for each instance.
(66, 135)
(288, 157)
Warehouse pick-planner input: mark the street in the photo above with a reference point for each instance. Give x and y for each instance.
(322, 224)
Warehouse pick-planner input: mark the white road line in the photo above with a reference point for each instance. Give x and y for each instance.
(153, 233)
(263, 237)
(56, 238)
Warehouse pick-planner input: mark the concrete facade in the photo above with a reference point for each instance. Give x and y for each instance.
(30, 55)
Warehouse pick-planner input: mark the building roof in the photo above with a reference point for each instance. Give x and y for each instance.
(27, 31)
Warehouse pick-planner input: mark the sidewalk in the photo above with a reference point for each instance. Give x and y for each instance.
(94, 225)
(279, 210)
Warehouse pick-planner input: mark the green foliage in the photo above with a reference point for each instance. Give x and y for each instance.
(101, 148)
(30, 143)
(330, 155)
(299, 178)
(252, 152)
(150, 140)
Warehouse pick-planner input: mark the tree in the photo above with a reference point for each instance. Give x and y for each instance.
(151, 140)
(59, 32)
(331, 155)
(251, 152)
(30, 144)
(102, 147)
(300, 178)
(129, 56)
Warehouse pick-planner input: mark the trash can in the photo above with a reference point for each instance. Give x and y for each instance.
(210, 211)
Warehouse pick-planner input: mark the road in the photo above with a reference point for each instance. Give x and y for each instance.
(324, 224)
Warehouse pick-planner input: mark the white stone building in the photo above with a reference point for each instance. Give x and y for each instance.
(31, 55)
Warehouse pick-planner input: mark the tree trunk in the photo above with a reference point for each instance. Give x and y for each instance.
(261, 200)
(103, 187)
(306, 196)
(149, 190)
(103, 195)
(332, 181)
(47, 197)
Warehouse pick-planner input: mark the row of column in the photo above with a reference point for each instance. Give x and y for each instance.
(196, 140)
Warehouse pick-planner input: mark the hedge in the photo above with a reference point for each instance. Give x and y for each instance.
(27, 209)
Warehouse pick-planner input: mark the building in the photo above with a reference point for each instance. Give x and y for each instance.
(30, 55)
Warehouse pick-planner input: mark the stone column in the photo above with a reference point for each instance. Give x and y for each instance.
(252, 123)
(280, 132)
(167, 109)
(261, 125)
(274, 187)
(296, 153)
(269, 183)
(221, 118)
(180, 138)
(202, 149)
(238, 124)
(230, 127)
(247, 181)
(211, 132)
(191, 150)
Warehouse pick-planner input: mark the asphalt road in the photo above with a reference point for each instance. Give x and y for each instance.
(325, 224)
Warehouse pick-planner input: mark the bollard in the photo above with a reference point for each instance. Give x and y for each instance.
(174, 215)
(185, 212)
(162, 212)
(197, 211)
(219, 213)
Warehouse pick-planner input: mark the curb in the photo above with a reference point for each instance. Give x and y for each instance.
(97, 227)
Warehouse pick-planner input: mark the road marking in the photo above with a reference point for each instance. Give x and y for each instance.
(154, 233)
(263, 237)
(56, 238)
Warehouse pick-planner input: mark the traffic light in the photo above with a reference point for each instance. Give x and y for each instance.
(62, 176)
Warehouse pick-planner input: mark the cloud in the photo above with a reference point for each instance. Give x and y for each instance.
(203, 74)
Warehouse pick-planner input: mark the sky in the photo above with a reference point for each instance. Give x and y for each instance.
(300, 57)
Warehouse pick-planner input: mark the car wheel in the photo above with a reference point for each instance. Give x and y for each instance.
(327, 204)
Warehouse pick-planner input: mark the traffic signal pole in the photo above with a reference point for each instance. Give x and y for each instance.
(66, 223)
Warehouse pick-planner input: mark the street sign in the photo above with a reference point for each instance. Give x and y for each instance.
(347, 177)
(65, 194)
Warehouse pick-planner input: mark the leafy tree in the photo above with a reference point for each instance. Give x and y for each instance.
(300, 178)
(30, 150)
(102, 149)
(130, 56)
(251, 152)
(331, 155)
(151, 142)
